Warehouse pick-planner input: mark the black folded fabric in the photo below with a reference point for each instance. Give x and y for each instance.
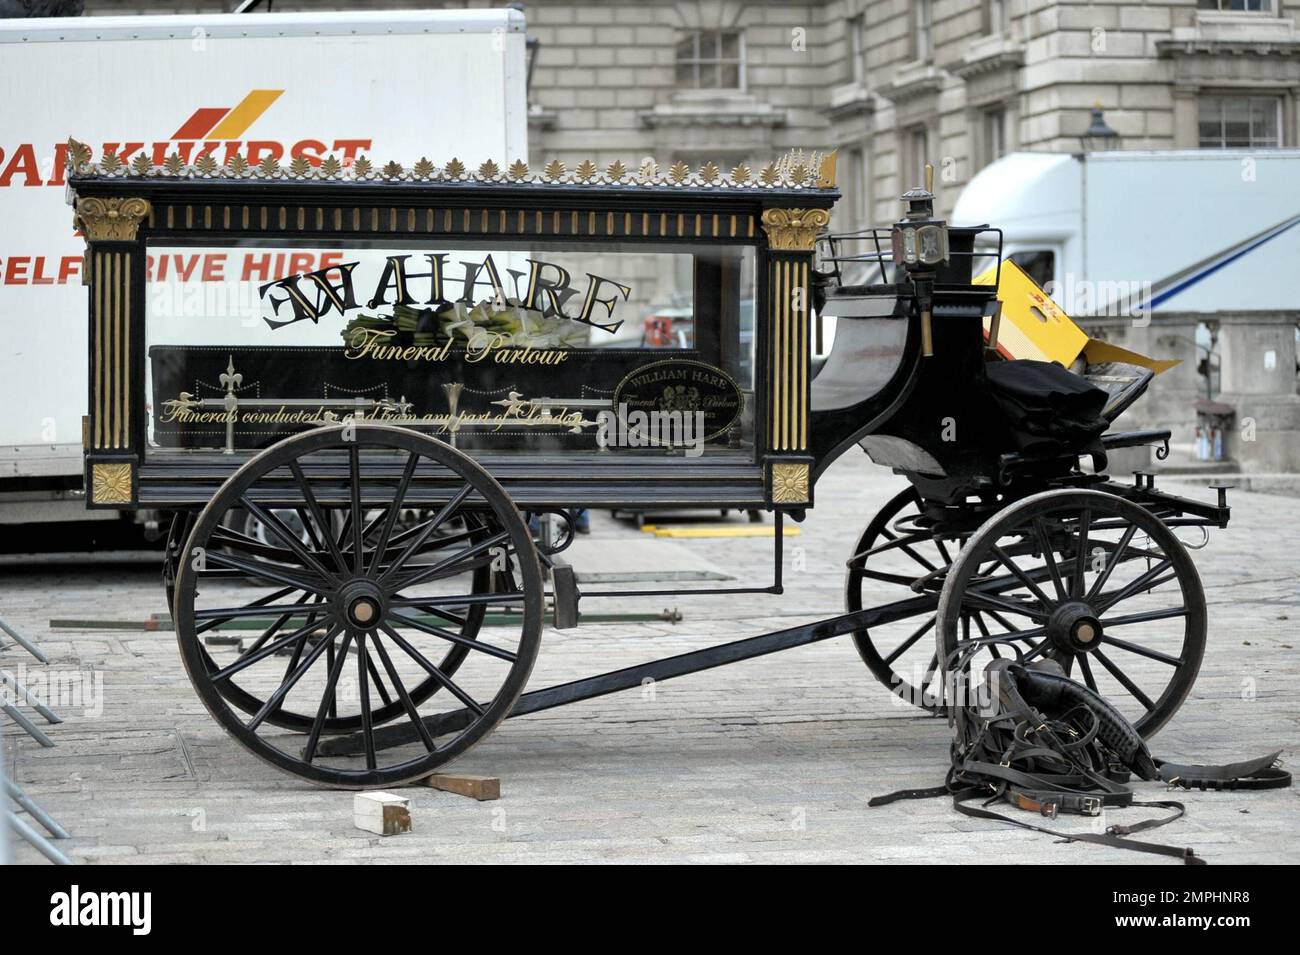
(1047, 409)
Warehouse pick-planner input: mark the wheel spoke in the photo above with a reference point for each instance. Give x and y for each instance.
(277, 624)
(358, 553)
(453, 618)
(444, 680)
(345, 545)
(328, 705)
(413, 548)
(1025, 635)
(363, 670)
(259, 602)
(1142, 651)
(309, 528)
(1049, 558)
(403, 695)
(1116, 558)
(1136, 585)
(275, 572)
(380, 687)
(314, 506)
(233, 540)
(897, 579)
(906, 544)
(333, 696)
(985, 637)
(254, 656)
(997, 618)
(931, 669)
(467, 600)
(399, 495)
(907, 644)
(1037, 650)
(433, 570)
(1005, 559)
(1080, 560)
(285, 534)
(1086, 669)
(1145, 616)
(895, 543)
(983, 601)
(1134, 690)
(455, 638)
(254, 610)
(275, 699)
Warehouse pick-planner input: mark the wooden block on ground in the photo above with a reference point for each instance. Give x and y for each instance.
(381, 813)
(481, 788)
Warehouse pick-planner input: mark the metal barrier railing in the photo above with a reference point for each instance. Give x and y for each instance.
(13, 794)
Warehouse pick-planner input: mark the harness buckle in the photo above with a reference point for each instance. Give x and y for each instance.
(1090, 805)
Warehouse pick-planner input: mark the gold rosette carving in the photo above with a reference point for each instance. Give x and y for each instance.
(110, 483)
(789, 483)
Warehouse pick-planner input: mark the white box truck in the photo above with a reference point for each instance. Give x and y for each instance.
(390, 85)
(1140, 232)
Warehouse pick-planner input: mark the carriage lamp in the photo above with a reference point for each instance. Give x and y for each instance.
(925, 245)
(919, 243)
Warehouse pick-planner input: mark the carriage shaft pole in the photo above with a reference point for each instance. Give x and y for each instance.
(683, 664)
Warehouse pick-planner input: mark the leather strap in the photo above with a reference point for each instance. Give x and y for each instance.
(1261, 773)
(1188, 856)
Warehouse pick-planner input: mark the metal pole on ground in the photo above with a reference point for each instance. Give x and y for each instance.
(23, 642)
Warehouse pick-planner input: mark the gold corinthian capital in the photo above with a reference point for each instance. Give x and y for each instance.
(110, 220)
(794, 230)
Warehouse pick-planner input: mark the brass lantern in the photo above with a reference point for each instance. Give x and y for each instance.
(919, 244)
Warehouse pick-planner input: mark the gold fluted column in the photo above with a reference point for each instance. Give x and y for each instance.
(114, 256)
(791, 235)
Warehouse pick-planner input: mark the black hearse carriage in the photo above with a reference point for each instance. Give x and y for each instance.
(349, 387)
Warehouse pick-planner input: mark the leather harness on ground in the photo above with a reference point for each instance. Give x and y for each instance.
(1050, 745)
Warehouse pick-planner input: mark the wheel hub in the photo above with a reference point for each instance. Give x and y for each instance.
(1074, 628)
(361, 604)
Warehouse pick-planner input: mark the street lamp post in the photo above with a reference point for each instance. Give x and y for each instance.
(1099, 136)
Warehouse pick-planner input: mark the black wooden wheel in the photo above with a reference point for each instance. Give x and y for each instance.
(355, 622)
(231, 537)
(1090, 580)
(896, 558)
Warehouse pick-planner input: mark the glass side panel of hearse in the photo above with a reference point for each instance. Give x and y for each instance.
(540, 348)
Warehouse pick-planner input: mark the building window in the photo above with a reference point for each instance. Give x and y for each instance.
(922, 27)
(1240, 121)
(711, 60)
(993, 129)
(855, 189)
(916, 152)
(855, 28)
(1237, 6)
(995, 16)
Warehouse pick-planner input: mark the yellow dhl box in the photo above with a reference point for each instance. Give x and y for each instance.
(1034, 326)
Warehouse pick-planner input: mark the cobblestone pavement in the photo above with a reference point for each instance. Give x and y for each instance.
(771, 760)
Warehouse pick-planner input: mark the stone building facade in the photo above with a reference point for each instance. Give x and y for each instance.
(894, 83)
(890, 83)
